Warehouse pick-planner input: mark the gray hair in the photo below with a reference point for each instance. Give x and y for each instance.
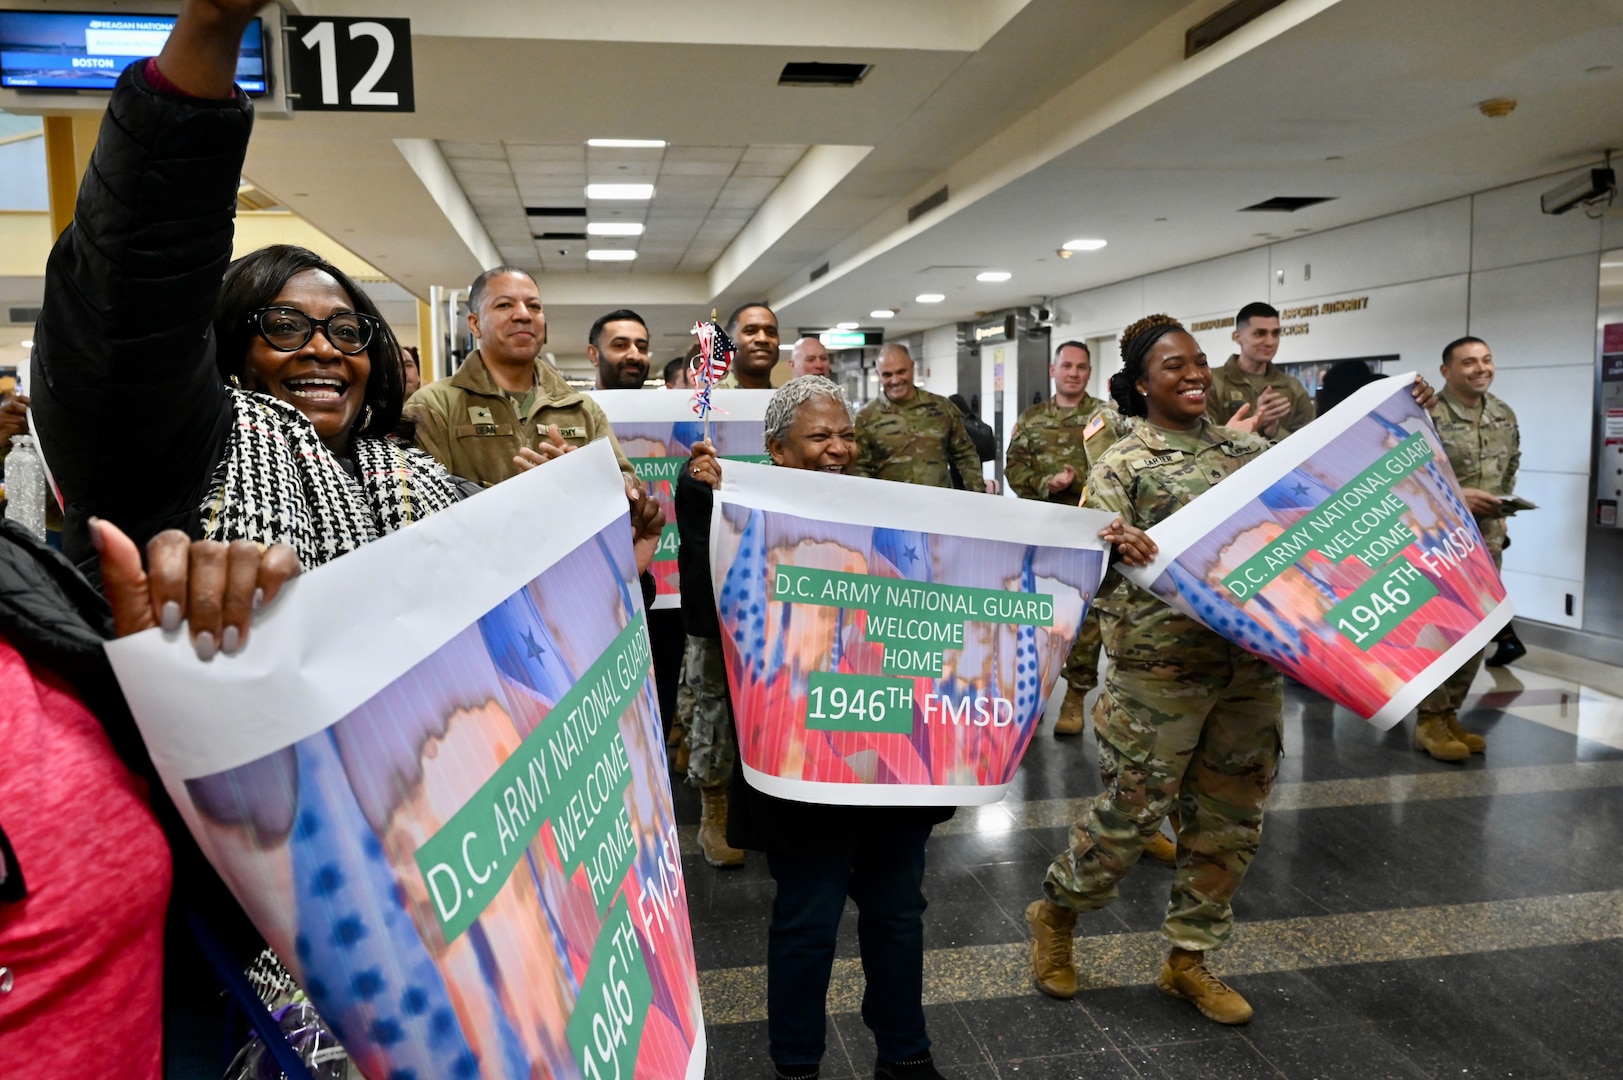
(787, 400)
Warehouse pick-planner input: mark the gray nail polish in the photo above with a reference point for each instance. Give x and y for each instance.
(204, 644)
(259, 599)
(169, 618)
(230, 640)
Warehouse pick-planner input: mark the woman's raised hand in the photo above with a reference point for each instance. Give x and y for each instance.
(200, 56)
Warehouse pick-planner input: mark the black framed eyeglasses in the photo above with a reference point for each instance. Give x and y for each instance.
(289, 329)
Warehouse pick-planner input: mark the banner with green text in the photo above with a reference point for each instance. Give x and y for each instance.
(1345, 555)
(657, 430)
(446, 805)
(891, 644)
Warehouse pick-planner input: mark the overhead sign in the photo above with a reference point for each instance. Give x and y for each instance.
(349, 65)
(846, 339)
(1001, 330)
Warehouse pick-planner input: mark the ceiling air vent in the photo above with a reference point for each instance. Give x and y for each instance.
(1205, 34)
(815, 74)
(1287, 204)
(23, 316)
(819, 271)
(560, 236)
(925, 205)
(555, 211)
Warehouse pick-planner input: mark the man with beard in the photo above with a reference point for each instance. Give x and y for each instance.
(618, 348)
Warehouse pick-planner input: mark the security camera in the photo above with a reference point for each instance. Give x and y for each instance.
(563, 251)
(1590, 186)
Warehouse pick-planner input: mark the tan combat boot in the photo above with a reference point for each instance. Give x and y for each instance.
(1161, 849)
(1432, 735)
(713, 829)
(1070, 713)
(1185, 975)
(1051, 926)
(1474, 743)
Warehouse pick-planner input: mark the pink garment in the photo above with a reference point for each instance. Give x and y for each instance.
(85, 947)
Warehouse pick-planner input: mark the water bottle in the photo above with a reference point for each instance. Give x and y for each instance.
(25, 486)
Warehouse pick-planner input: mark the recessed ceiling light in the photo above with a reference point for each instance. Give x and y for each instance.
(610, 255)
(614, 228)
(993, 275)
(1084, 245)
(630, 192)
(930, 297)
(26, 344)
(845, 326)
(882, 313)
(627, 144)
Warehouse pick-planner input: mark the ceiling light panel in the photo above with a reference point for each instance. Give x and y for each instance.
(614, 228)
(621, 192)
(610, 255)
(930, 298)
(1084, 245)
(628, 144)
(990, 276)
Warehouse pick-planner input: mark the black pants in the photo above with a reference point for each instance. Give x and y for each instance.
(883, 872)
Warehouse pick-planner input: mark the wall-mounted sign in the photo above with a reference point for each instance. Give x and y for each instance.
(1001, 330)
(349, 65)
(847, 339)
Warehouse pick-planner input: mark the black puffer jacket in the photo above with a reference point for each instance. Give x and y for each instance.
(130, 409)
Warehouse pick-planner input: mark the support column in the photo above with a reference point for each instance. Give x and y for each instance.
(427, 367)
(69, 141)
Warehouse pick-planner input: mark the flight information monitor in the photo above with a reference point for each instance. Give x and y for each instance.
(71, 50)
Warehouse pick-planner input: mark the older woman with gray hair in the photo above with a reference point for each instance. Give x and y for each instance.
(819, 854)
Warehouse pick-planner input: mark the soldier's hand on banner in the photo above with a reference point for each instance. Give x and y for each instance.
(992, 487)
(213, 587)
(647, 522)
(1061, 480)
(704, 465)
(1133, 545)
(1424, 395)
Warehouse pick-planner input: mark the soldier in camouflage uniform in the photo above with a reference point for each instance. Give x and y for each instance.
(1250, 379)
(1054, 445)
(1188, 721)
(1479, 434)
(712, 745)
(910, 434)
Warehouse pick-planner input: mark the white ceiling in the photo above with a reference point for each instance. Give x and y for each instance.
(703, 198)
(1045, 119)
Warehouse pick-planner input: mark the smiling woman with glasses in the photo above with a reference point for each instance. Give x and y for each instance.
(254, 401)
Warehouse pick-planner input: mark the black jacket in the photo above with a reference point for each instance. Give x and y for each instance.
(130, 408)
(757, 821)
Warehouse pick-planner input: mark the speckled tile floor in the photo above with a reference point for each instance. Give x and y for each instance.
(1405, 918)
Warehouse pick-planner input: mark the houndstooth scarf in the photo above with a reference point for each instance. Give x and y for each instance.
(277, 483)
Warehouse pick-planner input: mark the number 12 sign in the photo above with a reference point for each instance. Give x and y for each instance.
(349, 65)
